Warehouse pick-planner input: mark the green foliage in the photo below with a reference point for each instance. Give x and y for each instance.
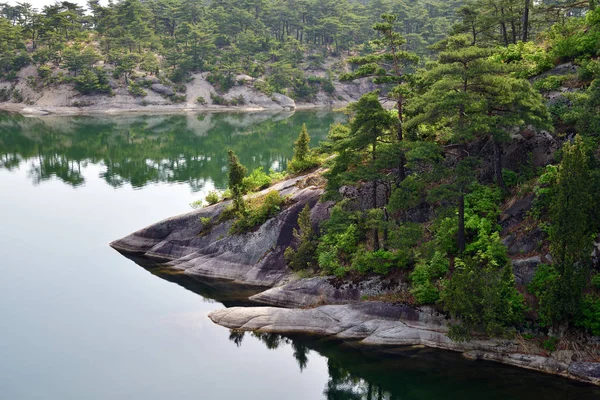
(550, 82)
(550, 343)
(559, 287)
(528, 58)
(257, 180)
(304, 255)
(206, 221)
(258, 212)
(590, 314)
(303, 159)
(236, 173)
(543, 286)
(482, 297)
(92, 81)
(201, 100)
(212, 197)
(136, 90)
(197, 204)
(596, 281)
(380, 261)
(425, 276)
(408, 194)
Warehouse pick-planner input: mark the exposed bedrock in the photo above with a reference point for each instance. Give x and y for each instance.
(377, 323)
(253, 258)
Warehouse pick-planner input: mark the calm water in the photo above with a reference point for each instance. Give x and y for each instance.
(80, 321)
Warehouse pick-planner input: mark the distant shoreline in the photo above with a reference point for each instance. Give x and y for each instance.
(41, 111)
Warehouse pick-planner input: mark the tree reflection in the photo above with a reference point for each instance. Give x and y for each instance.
(149, 149)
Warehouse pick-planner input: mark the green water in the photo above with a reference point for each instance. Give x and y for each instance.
(80, 321)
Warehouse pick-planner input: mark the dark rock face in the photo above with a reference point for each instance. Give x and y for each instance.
(162, 89)
(588, 371)
(516, 212)
(254, 258)
(524, 269)
(362, 196)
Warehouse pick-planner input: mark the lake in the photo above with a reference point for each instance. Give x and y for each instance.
(80, 321)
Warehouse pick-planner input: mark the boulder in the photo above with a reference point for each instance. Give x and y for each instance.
(285, 102)
(162, 89)
(524, 269)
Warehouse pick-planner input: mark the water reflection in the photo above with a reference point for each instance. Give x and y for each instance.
(406, 373)
(139, 150)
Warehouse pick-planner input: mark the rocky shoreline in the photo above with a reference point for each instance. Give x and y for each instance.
(321, 305)
(196, 96)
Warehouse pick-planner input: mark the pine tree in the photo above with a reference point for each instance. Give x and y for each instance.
(236, 175)
(301, 146)
(571, 234)
(387, 66)
(304, 256)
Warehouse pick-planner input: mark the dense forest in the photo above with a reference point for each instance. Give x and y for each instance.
(439, 150)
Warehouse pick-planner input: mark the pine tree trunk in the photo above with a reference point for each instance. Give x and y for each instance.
(461, 223)
(498, 166)
(402, 159)
(526, 21)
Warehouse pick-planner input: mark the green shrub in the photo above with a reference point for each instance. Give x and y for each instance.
(136, 90)
(550, 344)
(300, 166)
(543, 286)
(510, 177)
(423, 276)
(303, 256)
(263, 86)
(201, 100)
(17, 96)
(92, 81)
(178, 98)
(218, 100)
(380, 261)
(197, 204)
(482, 297)
(550, 82)
(206, 221)
(257, 180)
(5, 94)
(212, 197)
(221, 81)
(529, 59)
(259, 211)
(590, 314)
(596, 281)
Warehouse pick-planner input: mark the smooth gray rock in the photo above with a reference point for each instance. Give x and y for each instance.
(254, 258)
(375, 323)
(307, 293)
(286, 102)
(162, 89)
